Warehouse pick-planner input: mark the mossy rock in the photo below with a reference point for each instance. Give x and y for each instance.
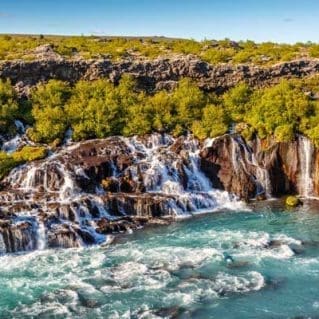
(293, 201)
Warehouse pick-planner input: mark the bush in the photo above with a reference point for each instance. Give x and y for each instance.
(30, 153)
(281, 105)
(214, 122)
(8, 106)
(7, 163)
(98, 109)
(94, 110)
(48, 101)
(162, 110)
(238, 101)
(188, 101)
(284, 133)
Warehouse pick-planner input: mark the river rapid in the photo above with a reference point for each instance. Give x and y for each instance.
(256, 263)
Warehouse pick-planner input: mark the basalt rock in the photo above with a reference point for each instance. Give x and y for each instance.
(90, 190)
(254, 168)
(151, 74)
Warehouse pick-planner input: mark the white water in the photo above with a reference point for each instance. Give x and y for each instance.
(163, 173)
(168, 169)
(305, 165)
(18, 141)
(41, 235)
(261, 174)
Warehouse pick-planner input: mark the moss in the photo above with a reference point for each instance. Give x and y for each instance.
(26, 154)
(29, 153)
(7, 163)
(293, 201)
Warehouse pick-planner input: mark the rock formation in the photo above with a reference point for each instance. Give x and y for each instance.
(86, 191)
(150, 74)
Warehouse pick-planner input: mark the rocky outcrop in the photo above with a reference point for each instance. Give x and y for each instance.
(151, 74)
(262, 167)
(87, 191)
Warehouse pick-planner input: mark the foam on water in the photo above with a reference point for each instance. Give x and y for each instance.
(41, 237)
(174, 269)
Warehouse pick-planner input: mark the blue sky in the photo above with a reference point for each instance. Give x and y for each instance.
(259, 20)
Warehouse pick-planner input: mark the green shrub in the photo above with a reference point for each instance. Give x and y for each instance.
(238, 101)
(48, 101)
(7, 163)
(8, 106)
(29, 153)
(284, 133)
(214, 122)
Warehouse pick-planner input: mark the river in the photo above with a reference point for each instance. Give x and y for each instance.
(257, 263)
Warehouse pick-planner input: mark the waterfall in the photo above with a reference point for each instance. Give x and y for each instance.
(41, 235)
(167, 173)
(68, 205)
(2, 245)
(19, 140)
(242, 154)
(305, 153)
(20, 126)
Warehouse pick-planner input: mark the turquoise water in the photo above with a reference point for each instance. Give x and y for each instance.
(258, 264)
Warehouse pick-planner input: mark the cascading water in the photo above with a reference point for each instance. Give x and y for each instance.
(157, 175)
(41, 235)
(305, 152)
(168, 174)
(243, 155)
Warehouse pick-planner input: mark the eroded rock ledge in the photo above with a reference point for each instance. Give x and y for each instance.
(89, 190)
(153, 74)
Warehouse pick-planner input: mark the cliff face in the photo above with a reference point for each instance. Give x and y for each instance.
(264, 168)
(153, 74)
(87, 191)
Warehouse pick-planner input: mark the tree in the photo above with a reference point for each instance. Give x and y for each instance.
(8, 106)
(188, 102)
(48, 111)
(91, 110)
(162, 110)
(139, 118)
(213, 123)
(283, 104)
(237, 101)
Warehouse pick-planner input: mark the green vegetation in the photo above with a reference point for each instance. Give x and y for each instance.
(48, 111)
(8, 106)
(223, 51)
(26, 154)
(99, 109)
(293, 201)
